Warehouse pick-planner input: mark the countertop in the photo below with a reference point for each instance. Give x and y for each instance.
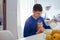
(40, 36)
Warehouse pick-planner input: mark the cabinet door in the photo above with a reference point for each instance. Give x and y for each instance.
(2, 14)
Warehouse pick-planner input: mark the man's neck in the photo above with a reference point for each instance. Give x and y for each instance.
(34, 17)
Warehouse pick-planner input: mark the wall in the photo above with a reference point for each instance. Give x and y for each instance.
(54, 10)
(11, 17)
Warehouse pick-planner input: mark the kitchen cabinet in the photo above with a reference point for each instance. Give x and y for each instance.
(3, 14)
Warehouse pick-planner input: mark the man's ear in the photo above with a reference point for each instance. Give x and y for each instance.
(33, 11)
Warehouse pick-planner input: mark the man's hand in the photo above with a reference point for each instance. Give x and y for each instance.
(40, 28)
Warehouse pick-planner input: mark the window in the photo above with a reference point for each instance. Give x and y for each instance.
(24, 11)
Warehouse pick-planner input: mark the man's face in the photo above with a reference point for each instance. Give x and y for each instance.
(37, 13)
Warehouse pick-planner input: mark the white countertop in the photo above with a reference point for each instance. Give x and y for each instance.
(57, 26)
(40, 36)
(35, 37)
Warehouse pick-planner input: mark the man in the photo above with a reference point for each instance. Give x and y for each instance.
(30, 27)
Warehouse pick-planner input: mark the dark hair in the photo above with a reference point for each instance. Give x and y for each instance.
(37, 7)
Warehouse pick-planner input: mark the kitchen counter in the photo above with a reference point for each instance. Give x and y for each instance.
(40, 36)
(35, 37)
(57, 26)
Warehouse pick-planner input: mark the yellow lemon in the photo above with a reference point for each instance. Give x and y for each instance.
(55, 31)
(56, 36)
(48, 36)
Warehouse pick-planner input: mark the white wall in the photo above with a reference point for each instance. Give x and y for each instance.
(18, 19)
(11, 15)
(55, 9)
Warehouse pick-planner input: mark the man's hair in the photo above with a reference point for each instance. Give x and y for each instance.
(37, 7)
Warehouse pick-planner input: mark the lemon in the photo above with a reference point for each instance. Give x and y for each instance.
(48, 36)
(55, 31)
(56, 36)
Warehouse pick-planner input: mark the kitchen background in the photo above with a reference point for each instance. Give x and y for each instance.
(51, 10)
(17, 11)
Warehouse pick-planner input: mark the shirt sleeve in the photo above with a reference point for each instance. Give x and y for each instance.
(27, 30)
(45, 26)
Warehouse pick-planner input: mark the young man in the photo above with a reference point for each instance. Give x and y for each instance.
(30, 27)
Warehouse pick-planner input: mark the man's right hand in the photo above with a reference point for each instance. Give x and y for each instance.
(40, 28)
